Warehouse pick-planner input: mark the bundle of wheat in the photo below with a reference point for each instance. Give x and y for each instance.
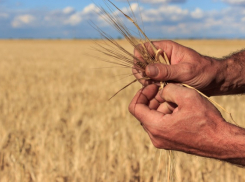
(148, 54)
(124, 58)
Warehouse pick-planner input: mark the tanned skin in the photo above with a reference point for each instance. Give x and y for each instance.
(178, 118)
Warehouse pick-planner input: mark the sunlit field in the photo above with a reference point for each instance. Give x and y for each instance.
(56, 123)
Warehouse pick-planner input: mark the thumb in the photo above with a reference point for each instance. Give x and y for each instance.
(162, 72)
(174, 93)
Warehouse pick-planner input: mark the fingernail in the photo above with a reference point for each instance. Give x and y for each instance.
(151, 70)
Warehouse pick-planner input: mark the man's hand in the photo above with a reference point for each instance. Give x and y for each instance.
(178, 118)
(209, 75)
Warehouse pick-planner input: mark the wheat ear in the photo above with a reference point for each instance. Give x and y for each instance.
(119, 53)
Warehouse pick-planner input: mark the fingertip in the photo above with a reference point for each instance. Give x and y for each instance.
(152, 70)
(171, 92)
(161, 93)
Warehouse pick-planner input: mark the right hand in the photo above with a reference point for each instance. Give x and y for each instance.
(178, 118)
(187, 66)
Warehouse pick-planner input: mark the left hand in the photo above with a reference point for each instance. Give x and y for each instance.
(207, 74)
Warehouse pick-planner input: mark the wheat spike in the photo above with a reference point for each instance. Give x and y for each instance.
(159, 58)
(127, 59)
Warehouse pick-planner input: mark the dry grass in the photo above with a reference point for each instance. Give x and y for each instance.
(57, 125)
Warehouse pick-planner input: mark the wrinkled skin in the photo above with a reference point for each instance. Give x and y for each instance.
(178, 118)
(211, 76)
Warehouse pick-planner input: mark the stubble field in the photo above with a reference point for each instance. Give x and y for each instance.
(57, 125)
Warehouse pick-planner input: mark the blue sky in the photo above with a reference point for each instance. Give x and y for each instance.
(162, 18)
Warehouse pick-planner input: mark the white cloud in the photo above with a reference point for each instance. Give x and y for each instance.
(4, 15)
(159, 1)
(168, 13)
(197, 14)
(92, 8)
(235, 2)
(163, 1)
(74, 19)
(22, 20)
(77, 17)
(175, 21)
(128, 10)
(168, 21)
(135, 7)
(68, 10)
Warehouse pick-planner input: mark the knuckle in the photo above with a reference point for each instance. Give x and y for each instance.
(165, 44)
(164, 72)
(169, 42)
(166, 89)
(191, 94)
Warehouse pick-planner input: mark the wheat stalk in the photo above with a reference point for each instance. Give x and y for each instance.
(126, 59)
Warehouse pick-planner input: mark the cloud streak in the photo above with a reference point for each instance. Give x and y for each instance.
(23, 20)
(163, 21)
(158, 1)
(235, 2)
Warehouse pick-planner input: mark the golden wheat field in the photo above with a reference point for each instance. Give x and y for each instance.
(57, 125)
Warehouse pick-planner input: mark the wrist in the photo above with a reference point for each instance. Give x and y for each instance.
(230, 76)
(216, 74)
(232, 143)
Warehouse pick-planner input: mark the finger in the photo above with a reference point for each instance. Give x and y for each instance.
(139, 106)
(163, 72)
(157, 101)
(138, 68)
(145, 95)
(143, 98)
(154, 104)
(176, 93)
(138, 75)
(138, 54)
(167, 108)
(159, 98)
(165, 45)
